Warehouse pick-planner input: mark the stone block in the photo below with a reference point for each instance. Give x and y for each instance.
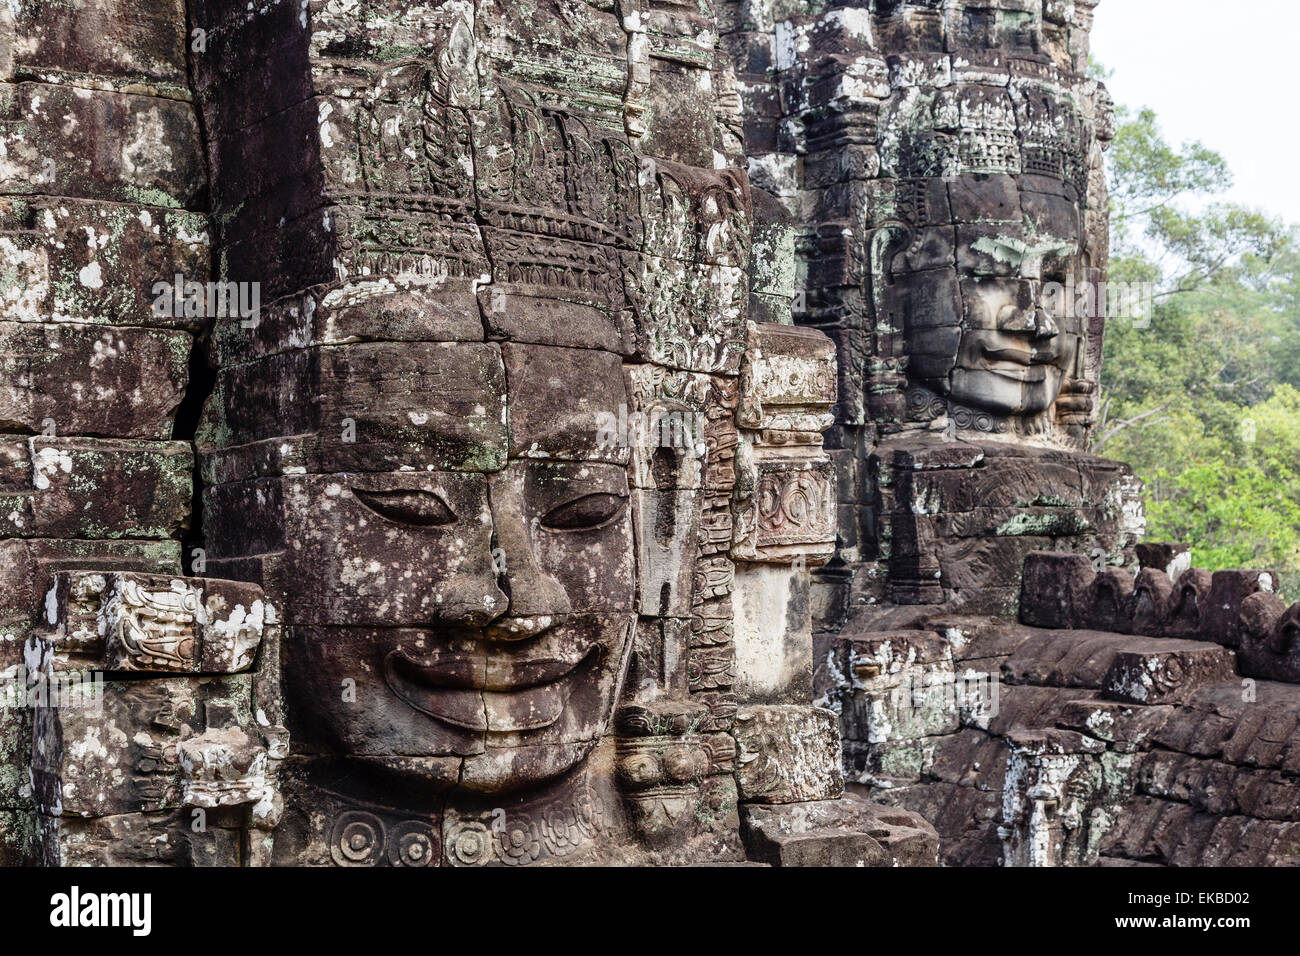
(98, 262)
(147, 148)
(1054, 590)
(128, 621)
(94, 488)
(1111, 602)
(787, 379)
(420, 405)
(26, 566)
(1150, 601)
(1188, 611)
(787, 754)
(773, 635)
(667, 525)
(1269, 635)
(91, 380)
(845, 832)
(136, 44)
(1172, 559)
(1157, 677)
(785, 505)
(1228, 589)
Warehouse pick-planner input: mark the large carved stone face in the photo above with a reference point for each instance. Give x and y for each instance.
(983, 299)
(484, 614)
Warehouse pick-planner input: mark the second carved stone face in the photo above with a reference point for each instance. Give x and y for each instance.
(983, 301)
(488, 612)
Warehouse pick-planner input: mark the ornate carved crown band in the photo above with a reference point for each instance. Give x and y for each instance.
(973, 128)
(522, 193)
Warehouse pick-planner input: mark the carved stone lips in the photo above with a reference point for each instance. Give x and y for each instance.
(1022, 365)
(492, 691)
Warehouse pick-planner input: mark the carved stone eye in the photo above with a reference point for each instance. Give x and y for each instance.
(421, 508)
(589, 511)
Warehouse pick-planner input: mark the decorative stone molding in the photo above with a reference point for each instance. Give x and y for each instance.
(788, 754)
(1234, 609)
(785, 489)
(227, 767)
(157, 623)
(1059, 799)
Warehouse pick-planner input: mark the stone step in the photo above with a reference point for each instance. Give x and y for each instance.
(849, 831)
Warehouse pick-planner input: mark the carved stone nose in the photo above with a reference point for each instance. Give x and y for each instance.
(472, 601)
(1044, 325)
(535, 600)
(1013, 318)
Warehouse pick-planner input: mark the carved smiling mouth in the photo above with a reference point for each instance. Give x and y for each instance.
(1018, 364)
(497, 691)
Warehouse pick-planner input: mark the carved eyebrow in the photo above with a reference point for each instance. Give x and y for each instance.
(1052, 248)
(566, 431)
(998, 248)
(553, 472)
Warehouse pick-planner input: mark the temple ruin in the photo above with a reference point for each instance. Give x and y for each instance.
(572, 432)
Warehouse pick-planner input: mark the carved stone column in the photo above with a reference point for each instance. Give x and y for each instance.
(789, 758)
(104, 256)
(784, 505)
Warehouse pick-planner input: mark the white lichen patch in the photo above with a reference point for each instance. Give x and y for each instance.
(47, 463)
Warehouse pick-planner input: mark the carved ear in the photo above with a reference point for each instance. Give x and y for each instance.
(883, 243)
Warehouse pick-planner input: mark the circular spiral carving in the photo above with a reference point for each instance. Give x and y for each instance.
(412, 844)
(1172, 674)
(560, 832)
(588, 811)
(469, 844)
(924, 405)
(357, 839)
(789, 504)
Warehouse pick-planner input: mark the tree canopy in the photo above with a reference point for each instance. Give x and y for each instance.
(1203, 395)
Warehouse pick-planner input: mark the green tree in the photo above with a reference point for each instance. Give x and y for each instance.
(1204, 400)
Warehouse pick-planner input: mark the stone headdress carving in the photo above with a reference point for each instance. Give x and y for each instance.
(961, 146)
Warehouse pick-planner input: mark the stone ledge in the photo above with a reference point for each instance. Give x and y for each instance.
(845, 832)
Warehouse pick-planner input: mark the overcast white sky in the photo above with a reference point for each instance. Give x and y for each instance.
(1223, 73)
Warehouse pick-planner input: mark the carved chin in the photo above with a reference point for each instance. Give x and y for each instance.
(521, 768)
